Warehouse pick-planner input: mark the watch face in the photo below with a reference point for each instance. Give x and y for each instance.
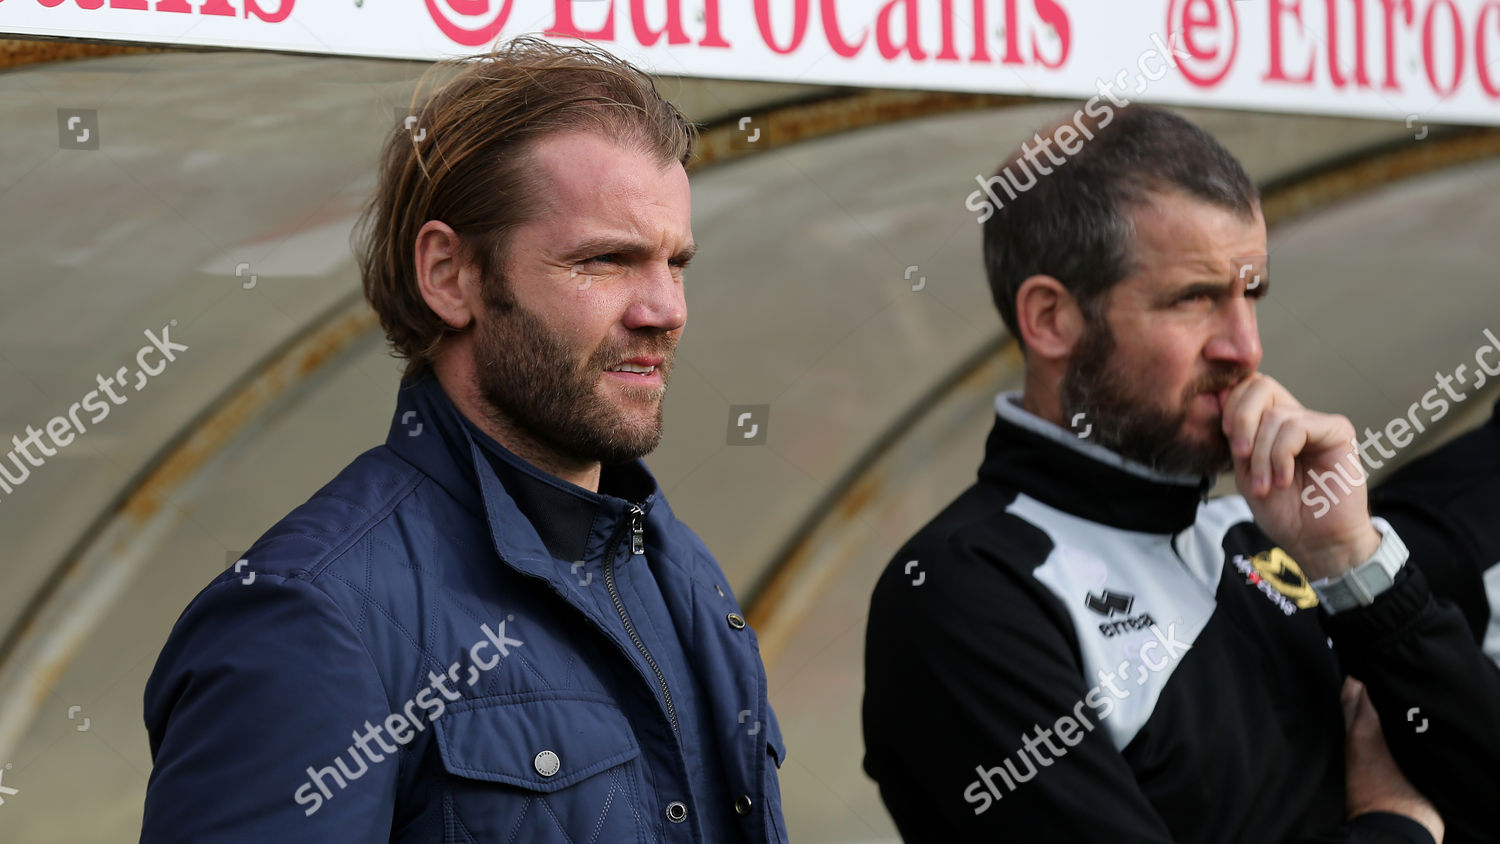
(1372, 578)
(1335, 595)
(1361, 585)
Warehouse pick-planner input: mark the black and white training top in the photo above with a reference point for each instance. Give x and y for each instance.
(1089, 651)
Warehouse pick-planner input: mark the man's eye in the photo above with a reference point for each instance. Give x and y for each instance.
(611, 258)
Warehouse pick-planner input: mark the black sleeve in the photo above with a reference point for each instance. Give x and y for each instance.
(1388, 828)
(1437, 694)
(959, 674)
(1447, 559)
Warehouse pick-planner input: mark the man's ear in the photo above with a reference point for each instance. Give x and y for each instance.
(443, 277)
(1048, 317)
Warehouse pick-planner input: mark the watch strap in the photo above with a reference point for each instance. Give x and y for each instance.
(1361, 585)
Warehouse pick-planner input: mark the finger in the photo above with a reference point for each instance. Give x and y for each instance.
(1243, 411)
(1263, 452)
(1230, 399)
(1367, 717)
(1291, 439)
(1284, 397)
(1261, 381)
(1364, 729)
(1326, 431)
(1349, 699)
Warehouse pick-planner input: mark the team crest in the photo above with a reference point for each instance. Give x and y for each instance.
(1279, 578)
(1283, 573)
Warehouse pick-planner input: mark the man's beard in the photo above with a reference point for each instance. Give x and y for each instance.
(1115, 400)
(532, 381)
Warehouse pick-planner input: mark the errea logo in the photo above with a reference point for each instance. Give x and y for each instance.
(1109, 603)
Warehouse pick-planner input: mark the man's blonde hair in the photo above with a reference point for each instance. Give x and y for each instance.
(467, 161)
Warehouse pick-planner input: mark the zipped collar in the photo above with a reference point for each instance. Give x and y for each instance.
(564, 513)
(431, 434)
(1055, 466)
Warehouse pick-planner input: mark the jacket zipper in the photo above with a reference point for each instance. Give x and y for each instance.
(637, 547)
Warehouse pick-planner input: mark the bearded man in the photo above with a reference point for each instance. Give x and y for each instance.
(491, 628)
(1100, 653)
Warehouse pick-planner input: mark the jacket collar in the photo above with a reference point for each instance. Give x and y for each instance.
(1066, 472)
(486, 478)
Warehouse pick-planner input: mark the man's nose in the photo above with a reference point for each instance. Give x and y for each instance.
(1237, 336)
(659, 301)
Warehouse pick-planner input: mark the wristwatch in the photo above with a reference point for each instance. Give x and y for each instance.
(1359, 586)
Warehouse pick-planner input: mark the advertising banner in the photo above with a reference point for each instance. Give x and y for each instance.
(1413, 60)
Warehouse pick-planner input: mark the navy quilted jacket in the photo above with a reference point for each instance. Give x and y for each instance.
(402, 658)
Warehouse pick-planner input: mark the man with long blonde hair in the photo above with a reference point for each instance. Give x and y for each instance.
(491, 628)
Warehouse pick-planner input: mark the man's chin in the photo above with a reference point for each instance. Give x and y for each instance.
(636, 435)
(1193, 450)
(1208, 455)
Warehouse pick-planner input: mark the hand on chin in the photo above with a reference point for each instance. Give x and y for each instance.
(1276, 444)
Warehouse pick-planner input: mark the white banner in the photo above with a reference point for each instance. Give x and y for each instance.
(1419, 61)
